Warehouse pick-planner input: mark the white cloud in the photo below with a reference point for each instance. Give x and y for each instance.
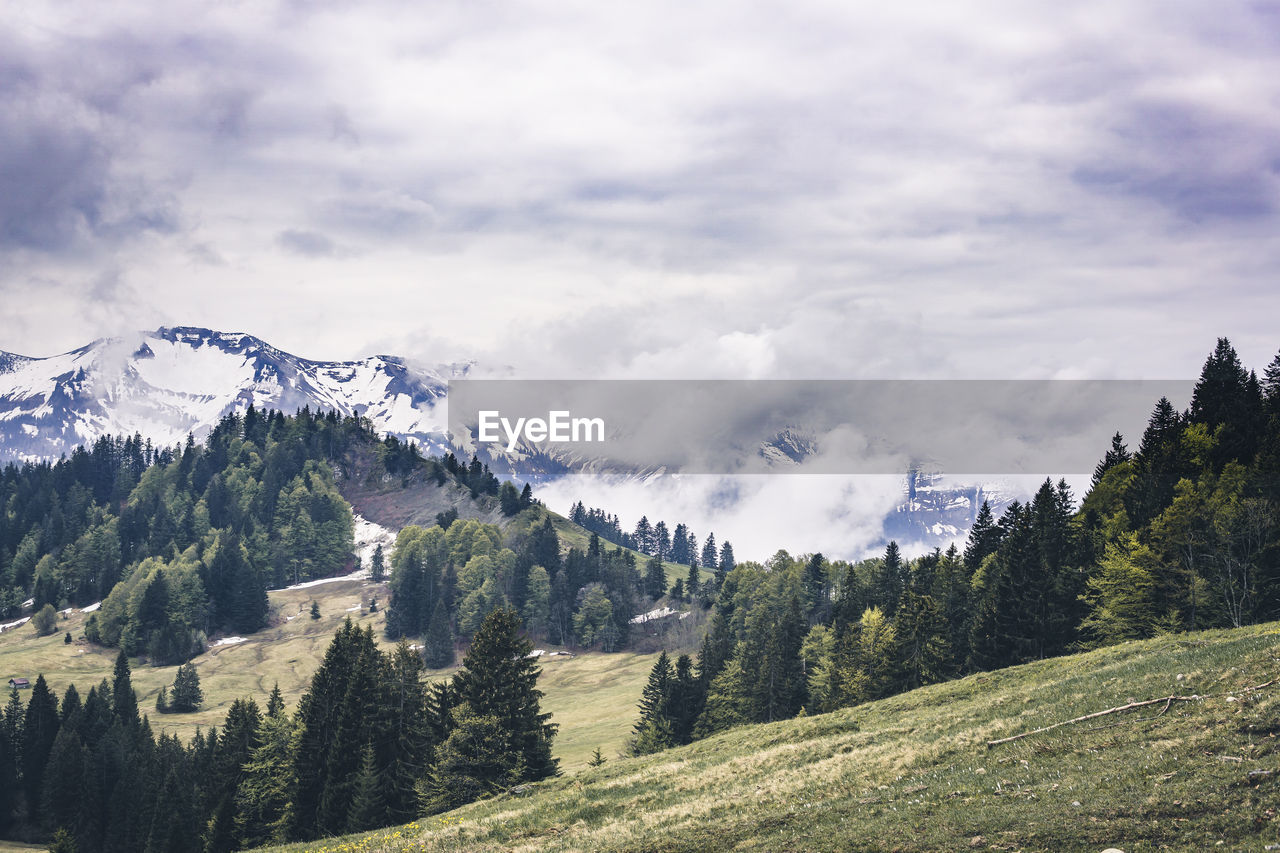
(804, 190)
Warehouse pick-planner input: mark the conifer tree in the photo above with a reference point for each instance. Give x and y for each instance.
(655, 579)
(233, 751)
(684, 701)
(377, 565)
(264, 797)
(275, 702)
(892, 580)
(499, 680)
(710, 553)
(473, 762)
(661, 541)
(923, 653)
(63, 781)
(438, 644)
(39, 730)
(367, 810)
(187, 695)
(815, 589)
(10, 729)
(653, 703)
(984, 538)
(780, 683)
(1115, 455)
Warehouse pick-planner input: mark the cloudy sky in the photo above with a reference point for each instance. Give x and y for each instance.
(741, 189)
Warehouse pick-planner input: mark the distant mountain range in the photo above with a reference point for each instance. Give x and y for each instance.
(174, 381)
(170, 382)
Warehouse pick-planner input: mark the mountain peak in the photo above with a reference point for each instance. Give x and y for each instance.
(174, 380)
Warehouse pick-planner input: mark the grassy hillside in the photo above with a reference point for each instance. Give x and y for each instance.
(914, 772)
(592, 696)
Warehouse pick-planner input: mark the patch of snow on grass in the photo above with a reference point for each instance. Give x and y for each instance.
(660, 613)
(230, 641)
(368, 536)
(308, 584)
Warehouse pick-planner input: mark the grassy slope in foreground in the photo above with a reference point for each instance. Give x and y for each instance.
(913, 772)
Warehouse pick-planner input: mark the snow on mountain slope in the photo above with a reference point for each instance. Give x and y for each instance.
(174, 381)
(167, 383)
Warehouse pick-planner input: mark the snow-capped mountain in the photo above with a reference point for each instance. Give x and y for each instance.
(174, 381)
(937, 512)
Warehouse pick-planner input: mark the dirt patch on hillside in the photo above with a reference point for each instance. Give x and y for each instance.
(397, 502)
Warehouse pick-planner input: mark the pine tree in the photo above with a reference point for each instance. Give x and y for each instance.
(39, 730)
(162, 701)
(643, 536)
(438, 649)
(377, 565)
(367, 810)
(233, 751)
(710, 553)
(1158, 465)
(653, 703)
(780, 684)
(655, 579)
(984, 538)
(596, 759)
(1269, 387)
(661, 541)
(684, 701)
(923, 654)
(1115, 455)
(275, 702)
(692, 584)
(315, 609)
(680, 545)
(474, 761)
(728, 701)
(264, 797)
(63, 781)
(10, 740)
(815, 588)
(892, 579)
(187, 695)
(499, 680)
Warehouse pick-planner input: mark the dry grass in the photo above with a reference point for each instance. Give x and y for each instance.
(592, 696)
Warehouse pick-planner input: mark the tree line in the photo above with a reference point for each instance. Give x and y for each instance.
(1181, 534)
(370, 744)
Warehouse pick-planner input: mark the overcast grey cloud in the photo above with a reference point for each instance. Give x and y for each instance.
(808, 189)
